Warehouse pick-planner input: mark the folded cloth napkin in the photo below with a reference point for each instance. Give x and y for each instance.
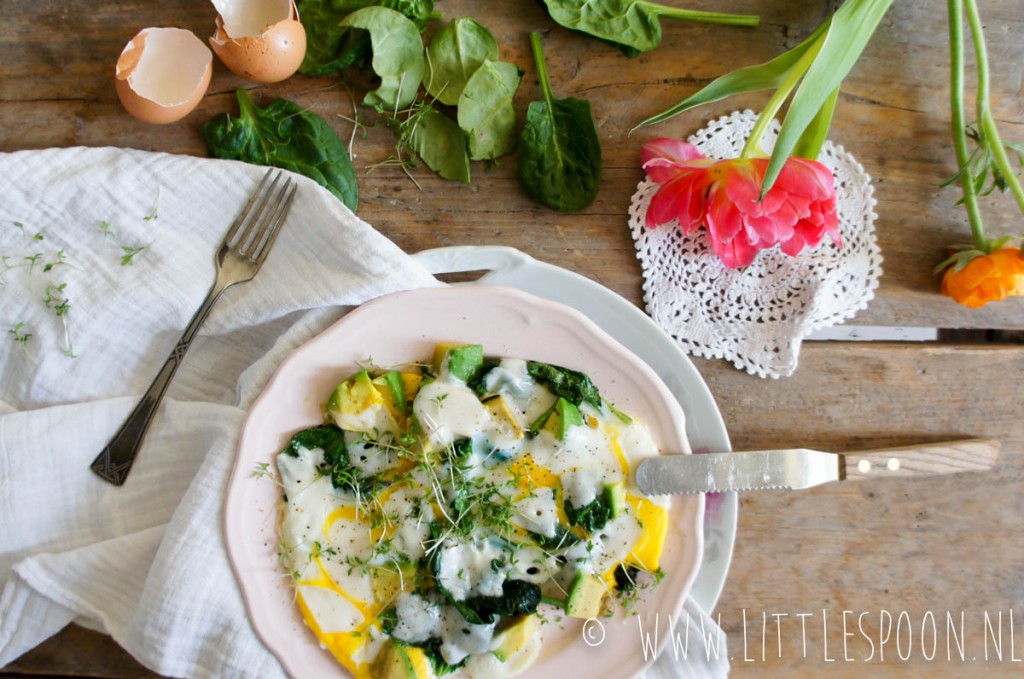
(106, 253)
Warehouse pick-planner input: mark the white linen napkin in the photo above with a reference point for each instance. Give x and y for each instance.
(146, 562)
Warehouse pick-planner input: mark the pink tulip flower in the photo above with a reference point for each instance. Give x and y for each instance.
(725, 196)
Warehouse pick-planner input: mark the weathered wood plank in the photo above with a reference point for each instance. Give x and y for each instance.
(869, 547)
(58, 92)
(923, 545)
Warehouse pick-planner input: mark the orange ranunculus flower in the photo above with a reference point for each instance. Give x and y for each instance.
(725, 196)
(986, 278)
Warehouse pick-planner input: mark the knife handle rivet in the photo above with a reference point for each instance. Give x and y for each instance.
(893, 464)
(864, 466)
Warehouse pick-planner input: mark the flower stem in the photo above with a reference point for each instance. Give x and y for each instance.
(752, 147)
(986, 123)
(704, 17)
(956, 98)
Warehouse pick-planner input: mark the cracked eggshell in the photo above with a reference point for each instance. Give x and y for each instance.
(162, 74)
(261, 40)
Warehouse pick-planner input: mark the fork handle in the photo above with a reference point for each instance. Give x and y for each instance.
(115, 461)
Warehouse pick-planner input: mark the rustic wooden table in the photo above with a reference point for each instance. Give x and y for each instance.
(889, 558)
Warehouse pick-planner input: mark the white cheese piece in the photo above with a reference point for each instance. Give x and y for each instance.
(459, 638)
(466, 569)
(332, 612)
(369, 459)
(418, 618)
(538, 512)
(449, 411)
(509, 377)
(580, 487)
(355, 582)
(533, 564)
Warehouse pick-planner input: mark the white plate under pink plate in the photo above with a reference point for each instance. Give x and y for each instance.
(404, 327)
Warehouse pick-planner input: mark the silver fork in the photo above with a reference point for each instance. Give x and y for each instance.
(238, 260)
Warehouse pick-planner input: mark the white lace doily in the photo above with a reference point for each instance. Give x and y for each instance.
(756, 317)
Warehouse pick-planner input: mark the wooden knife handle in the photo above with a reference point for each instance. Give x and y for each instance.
(970, 455)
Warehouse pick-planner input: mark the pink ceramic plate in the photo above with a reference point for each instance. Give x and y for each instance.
(403, 327)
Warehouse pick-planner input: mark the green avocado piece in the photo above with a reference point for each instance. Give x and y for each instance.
(395, 662)
(461, 361)
(513, 638)
(394, 390)
(351, 396)
(615, 498)
(564, 416)
(586, 594)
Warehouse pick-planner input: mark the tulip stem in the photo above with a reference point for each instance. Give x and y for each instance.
(752, 147)
(987, 125)
(956, 90)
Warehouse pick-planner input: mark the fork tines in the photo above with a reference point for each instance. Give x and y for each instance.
(267, 206)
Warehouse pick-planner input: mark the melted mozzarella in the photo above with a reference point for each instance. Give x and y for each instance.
(460, 638)
(468, 569)
(333, 612)
(581, 486)
(418, 618)
(538, 512)
(448, 411)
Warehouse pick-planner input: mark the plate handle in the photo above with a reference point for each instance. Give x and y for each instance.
(495, 259)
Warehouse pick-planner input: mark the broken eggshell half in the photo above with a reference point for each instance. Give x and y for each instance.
(261, 40)
(162, 74)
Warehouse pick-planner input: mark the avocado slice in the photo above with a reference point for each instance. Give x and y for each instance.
(615, 498)
(563, 417)
(357, 405)
(398, 661)
(392, 387)
(586, 594)
(461, 361)
(388, 583)
(514, 637)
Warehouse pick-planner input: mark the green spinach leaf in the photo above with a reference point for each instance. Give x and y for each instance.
(486, 113)
(632, 25)
(572, 385)
(454, 54)
(590, 517)
(560, 153)
(285, 135)
(326, 437)
(438, 141)
(332, 47)
(397, 55)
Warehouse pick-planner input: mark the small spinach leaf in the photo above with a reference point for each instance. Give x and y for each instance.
(285, 135)
(592, 516)
(486, 113)
(572, 385)
(560, 153)
(454, 54)
(438, 141)
(632, 25)
(518, 597)
(397, 55)
(326, 437)
(332, 47)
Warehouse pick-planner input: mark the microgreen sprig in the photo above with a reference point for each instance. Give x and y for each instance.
(19, 335)
(55, 299)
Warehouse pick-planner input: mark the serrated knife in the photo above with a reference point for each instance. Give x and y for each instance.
(797, 468)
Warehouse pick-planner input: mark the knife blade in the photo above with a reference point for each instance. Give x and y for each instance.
(798, 468)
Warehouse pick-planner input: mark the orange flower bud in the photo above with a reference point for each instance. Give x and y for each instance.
(987, 278)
